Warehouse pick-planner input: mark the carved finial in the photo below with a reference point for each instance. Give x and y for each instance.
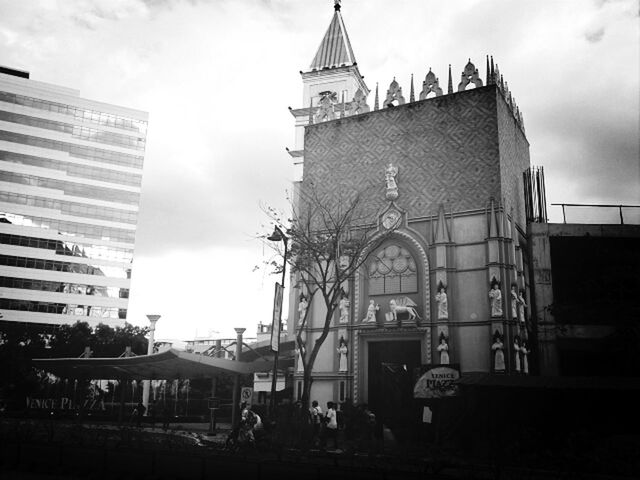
(310, 112)
(344, 112)
(469, 75)
(450, 85)
(394, 95)
(376, 101)
(412, 97)
(358, 104)
(501, 82)
(431, 84)
(336, 5)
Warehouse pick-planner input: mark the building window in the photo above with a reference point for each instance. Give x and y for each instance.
(299, 396)
(392, 270)
(341, 396)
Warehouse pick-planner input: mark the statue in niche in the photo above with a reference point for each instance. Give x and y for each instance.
(359, 103)
(431, 84)
(372, 310)
(342, 355)
(326, 109)
(392, 186)
(394, 95)
(302, 306)
(443, 348)
(343, 306)
(516, 349)
(522, 304)
(514, 301)
(498, 352)
(524, 350)
(469, 75)
(441, 300)
(496, 298)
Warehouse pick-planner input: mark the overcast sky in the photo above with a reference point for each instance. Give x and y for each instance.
(217, 77)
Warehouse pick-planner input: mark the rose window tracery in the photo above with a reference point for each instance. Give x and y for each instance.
(392, 270)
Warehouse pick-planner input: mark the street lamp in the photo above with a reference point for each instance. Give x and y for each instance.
(277, 236)
(147, 383)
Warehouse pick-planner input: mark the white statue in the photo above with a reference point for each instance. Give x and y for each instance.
(402, 305)
(496, 300)
(521, 307)
(441, 300)
(516, 349)
(498, 356)
(390, 177)
(342, 355)
(525, 361)
(514, 302)
(344, 309)
(302, 306)
(372, 310)
(443, 348)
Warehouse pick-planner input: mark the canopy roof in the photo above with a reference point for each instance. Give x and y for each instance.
(166, 365)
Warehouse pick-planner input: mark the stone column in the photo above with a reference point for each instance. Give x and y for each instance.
(147, 384)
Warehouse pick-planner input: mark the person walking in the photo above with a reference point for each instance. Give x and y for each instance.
(331, 424)
(316, 423)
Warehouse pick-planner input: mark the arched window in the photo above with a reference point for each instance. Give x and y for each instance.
(392, 270)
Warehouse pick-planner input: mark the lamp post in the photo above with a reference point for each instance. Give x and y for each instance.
(147, 383)
(236, 380)
(277, 236)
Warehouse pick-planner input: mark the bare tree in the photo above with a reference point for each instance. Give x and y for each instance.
(331, 238)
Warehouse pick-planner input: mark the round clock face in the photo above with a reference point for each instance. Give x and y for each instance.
(391, 219)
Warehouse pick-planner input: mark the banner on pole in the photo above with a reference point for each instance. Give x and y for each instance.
(277, 314)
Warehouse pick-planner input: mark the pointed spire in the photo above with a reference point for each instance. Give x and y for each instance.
(412, 97)
(310, 112)
(501, 82)
(344, 111)
(488, 81)
(442, 233)
(376, 101)
(450, 85)
(335, 49)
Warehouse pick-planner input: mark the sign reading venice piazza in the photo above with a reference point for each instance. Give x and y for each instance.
(437, 382)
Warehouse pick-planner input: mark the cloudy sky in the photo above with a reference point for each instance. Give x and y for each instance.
(217, 77)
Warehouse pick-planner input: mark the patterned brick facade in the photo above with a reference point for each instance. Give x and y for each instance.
(458, 149)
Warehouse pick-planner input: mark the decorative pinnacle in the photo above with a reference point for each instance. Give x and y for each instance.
(376, 101)
(336, 5)
(412, 97)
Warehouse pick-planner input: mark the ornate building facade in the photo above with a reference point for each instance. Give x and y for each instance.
(442, 170)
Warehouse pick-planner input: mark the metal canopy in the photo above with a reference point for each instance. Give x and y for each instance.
(167, 365)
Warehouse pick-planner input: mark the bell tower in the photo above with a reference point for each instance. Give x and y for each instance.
(332, 81)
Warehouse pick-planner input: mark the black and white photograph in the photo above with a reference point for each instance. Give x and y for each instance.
(319, 239)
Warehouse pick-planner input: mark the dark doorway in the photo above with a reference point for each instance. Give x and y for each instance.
(391, 367)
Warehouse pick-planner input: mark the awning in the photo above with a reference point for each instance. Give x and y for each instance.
(167, 365)
(548, 382)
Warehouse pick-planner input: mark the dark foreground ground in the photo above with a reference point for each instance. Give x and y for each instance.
(52, 450)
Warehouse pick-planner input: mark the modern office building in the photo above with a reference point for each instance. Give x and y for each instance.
(70, 178)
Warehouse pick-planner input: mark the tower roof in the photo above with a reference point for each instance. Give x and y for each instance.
(335, 48)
